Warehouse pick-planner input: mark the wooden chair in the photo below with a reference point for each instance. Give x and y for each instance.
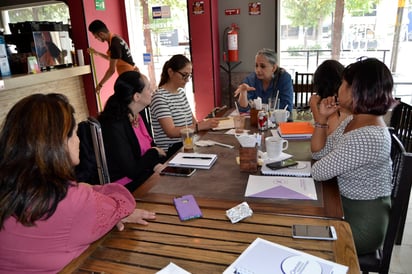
(401, 121)
(379, 261)
(303, 89)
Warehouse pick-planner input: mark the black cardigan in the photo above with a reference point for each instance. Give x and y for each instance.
(123, 152)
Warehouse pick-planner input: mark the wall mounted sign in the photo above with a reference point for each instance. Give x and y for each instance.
(161, 12)
(99, 4)
(254, 8)
(147, 58)
(198, 7)
(232, 11)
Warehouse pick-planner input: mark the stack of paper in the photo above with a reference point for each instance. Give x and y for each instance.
(193, 160)
(296, 130)
(266, 257)
(225, 123)
(302, 169)
(278, 187)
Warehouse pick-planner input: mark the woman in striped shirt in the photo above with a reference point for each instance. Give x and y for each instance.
(170, 108)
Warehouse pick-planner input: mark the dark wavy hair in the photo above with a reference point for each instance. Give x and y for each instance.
(126, 85)
(328, 78)
(371, 83)
(176, 63)
(35, 165)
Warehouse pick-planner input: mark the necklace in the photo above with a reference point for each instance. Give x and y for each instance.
(135, 121)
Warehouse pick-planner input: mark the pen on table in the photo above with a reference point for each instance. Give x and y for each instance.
(197, 157)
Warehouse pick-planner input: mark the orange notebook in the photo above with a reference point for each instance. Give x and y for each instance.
(298, 130)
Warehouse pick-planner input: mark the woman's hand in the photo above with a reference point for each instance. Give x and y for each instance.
(314, 102)
(327, 107)
(160, 151)
(157, 168)
(138, 216)
(208, 124)
(243, 89)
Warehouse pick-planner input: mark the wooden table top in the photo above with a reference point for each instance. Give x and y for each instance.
(206, 245)
(223, 186)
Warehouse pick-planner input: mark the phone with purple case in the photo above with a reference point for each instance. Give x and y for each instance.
(187, 207)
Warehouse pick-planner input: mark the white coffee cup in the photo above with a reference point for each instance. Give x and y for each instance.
(280, 115)
(274, 146)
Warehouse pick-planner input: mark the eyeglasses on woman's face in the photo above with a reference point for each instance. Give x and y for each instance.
(185, 76)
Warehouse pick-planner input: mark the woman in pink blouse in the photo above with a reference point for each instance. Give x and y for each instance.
(46, 218)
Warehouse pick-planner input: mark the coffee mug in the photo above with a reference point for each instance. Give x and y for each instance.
(280, 115)
(274, 146)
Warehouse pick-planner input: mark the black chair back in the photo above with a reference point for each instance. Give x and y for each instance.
(401, 121)
(92, 168)
(379, 261)
(303, 89)
(98, 146)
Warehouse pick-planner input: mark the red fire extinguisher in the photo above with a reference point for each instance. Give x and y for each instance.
(232, 43)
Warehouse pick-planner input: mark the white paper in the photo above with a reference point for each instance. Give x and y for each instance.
(266, 257)
(171, 268)
(193, 160)
(279, 187)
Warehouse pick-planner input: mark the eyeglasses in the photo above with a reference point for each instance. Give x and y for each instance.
(362, 58)
(185, 76)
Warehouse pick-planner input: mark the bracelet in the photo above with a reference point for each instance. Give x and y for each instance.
(319, 125)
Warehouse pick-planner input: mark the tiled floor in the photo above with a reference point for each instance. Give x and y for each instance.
(402, 255)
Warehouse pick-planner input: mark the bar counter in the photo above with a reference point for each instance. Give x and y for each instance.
(67, 81)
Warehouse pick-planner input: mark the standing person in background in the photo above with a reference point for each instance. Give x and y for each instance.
(131, 154)
(118, 53)
(357, 153)
(265, 82)
(46, 217)
(170, 109)
(326, 82)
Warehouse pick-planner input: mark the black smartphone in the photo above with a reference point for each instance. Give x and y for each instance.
(316, 232)
(282, 164)
(178, 171)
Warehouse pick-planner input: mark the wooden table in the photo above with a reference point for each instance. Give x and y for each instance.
(223, 186)
(206, 245)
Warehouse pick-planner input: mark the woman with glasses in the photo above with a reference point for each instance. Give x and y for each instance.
(170, 108)
(357, 153)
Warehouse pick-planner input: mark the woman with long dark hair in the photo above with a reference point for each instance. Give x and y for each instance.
(46, 217)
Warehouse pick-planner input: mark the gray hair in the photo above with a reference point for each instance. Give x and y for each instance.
(269, 54)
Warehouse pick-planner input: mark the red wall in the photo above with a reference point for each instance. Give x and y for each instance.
(82, 13)
(204, 34)
(204, 44)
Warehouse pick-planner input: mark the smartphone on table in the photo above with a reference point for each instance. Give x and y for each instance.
(178, 171)
(282, 164)
(315, 232)
(187, 207)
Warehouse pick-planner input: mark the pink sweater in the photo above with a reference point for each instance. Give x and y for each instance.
(86, 214)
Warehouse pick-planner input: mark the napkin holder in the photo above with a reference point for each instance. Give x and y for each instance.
(248, 159)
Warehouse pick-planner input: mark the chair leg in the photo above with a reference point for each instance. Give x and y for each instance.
(399, 234)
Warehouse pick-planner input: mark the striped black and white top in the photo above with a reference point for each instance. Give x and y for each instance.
(166, 104)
